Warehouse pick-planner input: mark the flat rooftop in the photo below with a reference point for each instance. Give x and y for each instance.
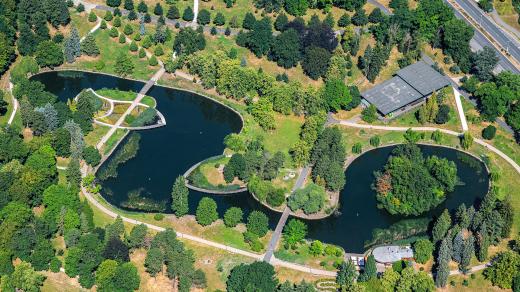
(391, 95)
(392, 253)
(423, 78)
(408, 85)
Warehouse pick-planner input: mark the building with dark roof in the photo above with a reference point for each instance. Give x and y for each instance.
(408, 88)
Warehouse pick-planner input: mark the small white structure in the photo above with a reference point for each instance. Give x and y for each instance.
(392, 253)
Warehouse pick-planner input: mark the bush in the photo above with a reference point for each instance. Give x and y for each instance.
(489, 132)
(233, 216)
(375, 141)
(122, 39)
(158, 217)
(108, 16)
(55, 265)
(103, 25)
(153, 61)
(213, 31)
(158, 51)
(276, 197)
(133, 47)
(80, 8)
(357, 148)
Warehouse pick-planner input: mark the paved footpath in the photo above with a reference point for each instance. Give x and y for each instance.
(431, 129)
(136, 101)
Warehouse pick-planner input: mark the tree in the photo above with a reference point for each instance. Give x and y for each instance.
(57, 12)
(233, 216)
(258, 276)
(336, 94)
(137, 236)
(428, 112)
(129, 5)
(26, 278)
(158, 10)
(142, 7)
(489, 132)
(116, 249)
(296, 7)
(441, 226)
(114, 3)
(249, 21)
(173, 12)
(369, 114)
(483, 63)
(6, 54)
(189, 41)
(442, 270)
(286, 49)
(206, 211)
(133, 47)
(154, 261)
(42, 255)
(91, 155)
(370, 271)
(423, 249)
(466, 140)
(280, 22)
(124, 65)
(49, 54)
(346, 274)
(443, 115)
(456, 37)
(187, 15)
(6, 263)
(315, 62)
(204, 17)
(260, 38)
(467, 253)
(113, 32)
(180, 197)
(257, 223)
(360, 18)
(89, 46)
(376, 16)
(294, 232)
(503, 269)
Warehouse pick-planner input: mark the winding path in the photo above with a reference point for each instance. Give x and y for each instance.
(15, 104)
(430, 129)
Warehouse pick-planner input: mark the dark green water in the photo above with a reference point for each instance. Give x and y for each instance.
(195, 130)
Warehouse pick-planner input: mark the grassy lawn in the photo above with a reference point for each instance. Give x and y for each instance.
(507, 12)
(95, 136)
(112, 141)
(60, 282)
(5, 118)
(126, 96)
(285, 135)
(79, 20)
(479, 283)
(302, 256)
(105, 62)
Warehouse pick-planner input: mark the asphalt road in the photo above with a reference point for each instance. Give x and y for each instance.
(491, 28)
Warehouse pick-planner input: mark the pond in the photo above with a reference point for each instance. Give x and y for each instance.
(361, 224)
(195, 130)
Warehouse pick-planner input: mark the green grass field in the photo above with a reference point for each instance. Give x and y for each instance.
(126, 96)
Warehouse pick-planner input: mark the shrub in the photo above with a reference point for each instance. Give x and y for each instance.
(103, 24)
(489, 132)
(423, 249)
(357, 148)
(122, 39)
(158, 217)
(310, 199)
(108, 16)
(91, 155)
(80, 8)
(158, 51)
(213, 31)
(375, 141)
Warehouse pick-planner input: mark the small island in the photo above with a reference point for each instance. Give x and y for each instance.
(411, 184)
